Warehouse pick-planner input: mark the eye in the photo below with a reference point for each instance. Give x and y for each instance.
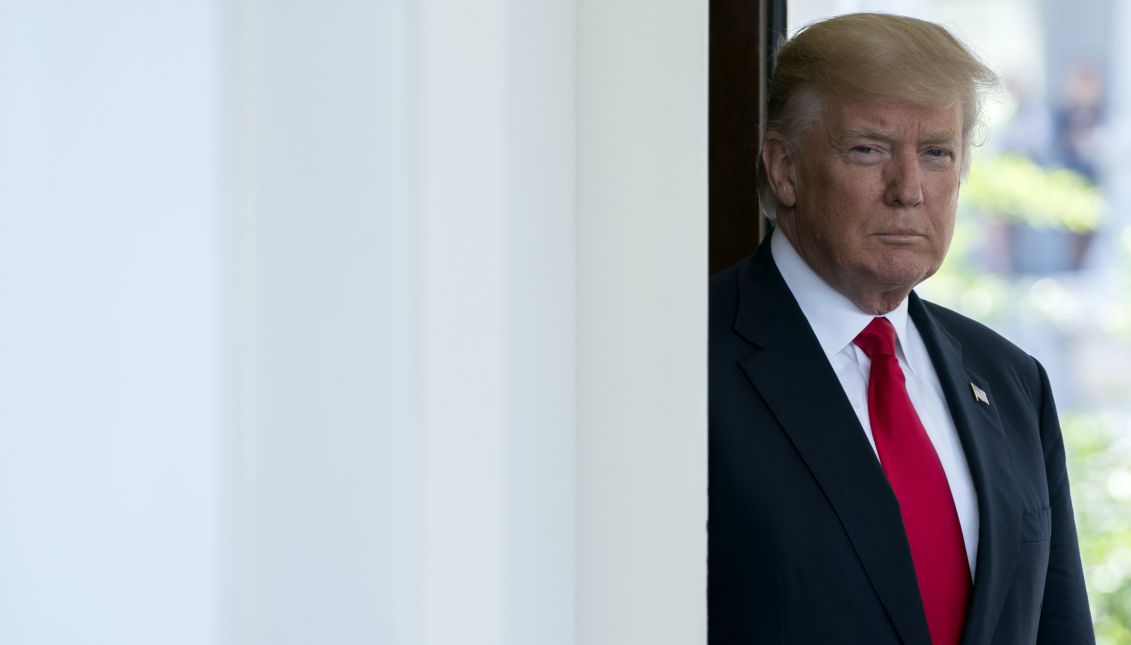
(866, 153)
(939, 157)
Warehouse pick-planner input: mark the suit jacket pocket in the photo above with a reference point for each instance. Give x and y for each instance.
(1036, 526)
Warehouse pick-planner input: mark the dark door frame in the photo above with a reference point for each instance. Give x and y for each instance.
(743, 34)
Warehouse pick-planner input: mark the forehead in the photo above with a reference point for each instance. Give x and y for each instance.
(893, 119)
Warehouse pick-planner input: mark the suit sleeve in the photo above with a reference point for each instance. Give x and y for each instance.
(1065, 616)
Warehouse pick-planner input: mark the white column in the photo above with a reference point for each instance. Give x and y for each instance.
(405, 177)
(328, 340)
(642, 272)
(540, 330)
(497, 215)
(463, 183)
(111, 332)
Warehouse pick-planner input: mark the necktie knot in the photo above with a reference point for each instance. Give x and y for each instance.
(877, 339)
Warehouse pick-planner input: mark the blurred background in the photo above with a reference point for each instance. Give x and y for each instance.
(1042, 252)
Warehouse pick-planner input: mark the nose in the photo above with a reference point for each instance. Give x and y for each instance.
(904, 187)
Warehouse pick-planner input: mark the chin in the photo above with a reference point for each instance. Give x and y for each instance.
(892, 281)
(902, 272)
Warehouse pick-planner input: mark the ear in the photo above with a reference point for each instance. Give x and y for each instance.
(781, 168)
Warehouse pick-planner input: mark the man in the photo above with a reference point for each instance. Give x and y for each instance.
(882, 469)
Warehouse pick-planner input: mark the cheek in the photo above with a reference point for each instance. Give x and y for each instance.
(944, 233)
(944, 217)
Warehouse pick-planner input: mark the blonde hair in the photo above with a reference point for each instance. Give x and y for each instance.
(872, 57)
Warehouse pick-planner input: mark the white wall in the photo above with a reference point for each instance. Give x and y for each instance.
(361, 322)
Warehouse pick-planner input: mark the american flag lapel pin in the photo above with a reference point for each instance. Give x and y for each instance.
(980, 394)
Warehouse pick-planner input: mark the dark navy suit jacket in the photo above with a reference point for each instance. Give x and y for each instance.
(806, 544)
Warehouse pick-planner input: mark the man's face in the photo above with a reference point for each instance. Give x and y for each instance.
(871, 198)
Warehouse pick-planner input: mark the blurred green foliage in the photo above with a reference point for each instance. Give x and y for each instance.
(1016, 188)
(1099, 467)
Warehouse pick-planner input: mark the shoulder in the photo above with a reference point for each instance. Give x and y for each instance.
(987, 352)
(753, 287)
(724, 304)
(722, 293)
(967, 329)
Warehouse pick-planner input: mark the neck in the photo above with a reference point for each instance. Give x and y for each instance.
(876, 304)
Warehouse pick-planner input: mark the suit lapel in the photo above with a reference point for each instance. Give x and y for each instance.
(793, 377)
(991, 468)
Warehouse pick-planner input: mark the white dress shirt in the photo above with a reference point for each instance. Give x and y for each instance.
(836, 321)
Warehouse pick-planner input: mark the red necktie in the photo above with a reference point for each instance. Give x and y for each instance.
(917, 477)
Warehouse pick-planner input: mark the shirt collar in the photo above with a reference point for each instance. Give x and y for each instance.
(834, 318)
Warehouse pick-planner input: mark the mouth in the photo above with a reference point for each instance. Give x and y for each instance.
(899, 236)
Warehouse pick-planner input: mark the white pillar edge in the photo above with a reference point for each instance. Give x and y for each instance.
(642, 280)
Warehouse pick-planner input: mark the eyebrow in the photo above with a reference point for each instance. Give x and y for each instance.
(887, 137)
